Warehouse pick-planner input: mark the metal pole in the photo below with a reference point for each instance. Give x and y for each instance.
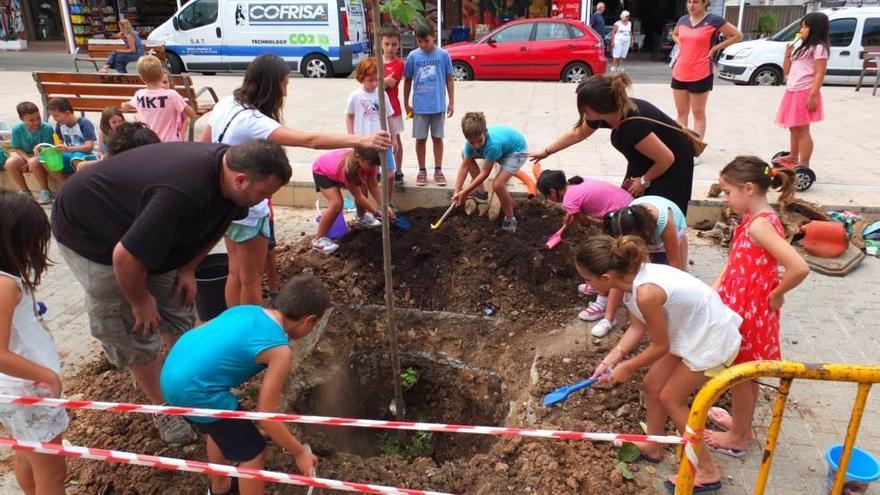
(386, 225)
(440, 23)
(739, 20)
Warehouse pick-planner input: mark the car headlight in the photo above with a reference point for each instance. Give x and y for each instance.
(745, 52)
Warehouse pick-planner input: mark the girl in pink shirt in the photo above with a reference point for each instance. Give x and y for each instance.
(583, 199)
(353, 169)
(802, 102)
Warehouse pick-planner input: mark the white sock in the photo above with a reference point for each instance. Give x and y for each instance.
(602, 300)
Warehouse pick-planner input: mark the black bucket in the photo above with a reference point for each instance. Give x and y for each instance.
(211, 286)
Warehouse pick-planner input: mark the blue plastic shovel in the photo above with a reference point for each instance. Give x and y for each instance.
(402, 223)
(560, 394)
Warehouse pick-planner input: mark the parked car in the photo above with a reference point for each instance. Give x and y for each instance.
(320, 38)
(536, 48)
(759, 62)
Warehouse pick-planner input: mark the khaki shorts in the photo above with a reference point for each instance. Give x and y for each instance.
(110, 318)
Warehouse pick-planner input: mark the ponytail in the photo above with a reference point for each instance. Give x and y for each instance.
(745, 169)
(631, 221)
(351, 166)
(603, 254)
(604, 94)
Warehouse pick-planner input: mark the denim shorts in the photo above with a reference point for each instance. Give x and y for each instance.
(513, 162)
(436, 122)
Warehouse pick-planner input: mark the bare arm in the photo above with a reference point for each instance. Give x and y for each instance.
(450, 88)
(128, 107)
(86, 147)
(717, 283)
(325, 140)
(731, 35)
(463, 192)
(361, 200)
(189, 112)
(407, 88)
(613, 32)
(670, 243)
(675, 35)
(131, 275)
(130, 47)
(206, 134)
(652, 147)
(650, 299)
(390, 82)
(821, 66)
(796, 269)
(570, 138)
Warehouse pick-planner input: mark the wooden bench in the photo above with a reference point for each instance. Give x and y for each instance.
(89, 92)
(870, 63)
(98, 51)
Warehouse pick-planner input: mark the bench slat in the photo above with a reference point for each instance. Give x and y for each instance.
(97, 78)
(60, 89)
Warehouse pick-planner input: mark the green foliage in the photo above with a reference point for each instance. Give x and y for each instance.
(627, 454)
(418, 445)
(409, 378)
(406, 12)
(767, 23)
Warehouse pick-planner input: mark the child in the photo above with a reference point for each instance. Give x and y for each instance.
(662, 226)
(183, 123)
(111, 118)
(28, 133)
(498, 143)
(127, 136)
(29, 361)
(362, 116)
(802, 102)
(693, 336)
(750, 284)
(159, 108)
(583, 199)
(77, 134)
(249, 339)
(393, 75)
(428, 74)
(354, 169)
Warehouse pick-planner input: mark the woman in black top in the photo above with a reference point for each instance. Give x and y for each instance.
(660, 160)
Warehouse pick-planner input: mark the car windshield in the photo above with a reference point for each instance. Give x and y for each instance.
(787, 34)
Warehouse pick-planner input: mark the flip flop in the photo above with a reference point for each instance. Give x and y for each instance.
(642, 457)
(736, 454)
(704, 488)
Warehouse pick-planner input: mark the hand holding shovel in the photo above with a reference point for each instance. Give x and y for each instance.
(556, 238)
(435, 226)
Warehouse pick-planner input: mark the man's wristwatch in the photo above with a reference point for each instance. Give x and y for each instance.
(644, 183)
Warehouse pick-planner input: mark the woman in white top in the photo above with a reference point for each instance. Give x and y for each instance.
(254, 112)
(621, 41)
(693, 336)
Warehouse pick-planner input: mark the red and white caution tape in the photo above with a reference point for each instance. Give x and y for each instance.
(172, 464)
(330, 421)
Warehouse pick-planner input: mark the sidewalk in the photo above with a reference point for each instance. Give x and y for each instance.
(740, 122)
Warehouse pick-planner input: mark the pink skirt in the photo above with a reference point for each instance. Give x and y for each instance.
(793, 110)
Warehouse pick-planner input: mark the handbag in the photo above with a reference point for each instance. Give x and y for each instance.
(697, 143)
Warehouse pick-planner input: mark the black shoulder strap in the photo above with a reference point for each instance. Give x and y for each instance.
(226, 128)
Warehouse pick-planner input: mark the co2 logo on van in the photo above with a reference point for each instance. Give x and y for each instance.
(308, 39)
(273, 14)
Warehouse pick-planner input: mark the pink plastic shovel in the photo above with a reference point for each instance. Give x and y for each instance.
(556, 238)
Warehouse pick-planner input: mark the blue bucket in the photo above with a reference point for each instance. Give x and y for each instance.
(863, 469)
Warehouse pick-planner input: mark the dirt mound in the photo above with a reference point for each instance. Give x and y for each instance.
(467, 265)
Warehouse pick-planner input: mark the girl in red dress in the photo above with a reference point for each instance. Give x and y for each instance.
(750, 285)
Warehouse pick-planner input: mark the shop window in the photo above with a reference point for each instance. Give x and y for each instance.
(197, 14)
(842, 31)
(552, 31)
(516, 33)
(871, 32)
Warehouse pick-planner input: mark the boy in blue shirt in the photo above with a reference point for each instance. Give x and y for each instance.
(28, 133)
(77, 134)
(498, 143)
(428, 75)
(208, 361)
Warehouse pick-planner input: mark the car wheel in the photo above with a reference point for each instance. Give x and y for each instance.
(766, 75)
(462, 72)
(175, 65)
(576, 72)
(316, 66)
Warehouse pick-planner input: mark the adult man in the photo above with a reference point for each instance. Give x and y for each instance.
(134, 228)
(597, 22)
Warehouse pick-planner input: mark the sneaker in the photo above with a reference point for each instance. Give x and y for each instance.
(368, 221)
(613, 69)
(587, 290)
(439, 178)
(422, 178)
(324, 245)
(480, 197)
(593, 312)
(44, 197)
(398, 179)
(174, 430)
(602, 328)
(509, 224)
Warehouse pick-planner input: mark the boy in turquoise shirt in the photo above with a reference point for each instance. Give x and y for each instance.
(206, 363)
(28, 133)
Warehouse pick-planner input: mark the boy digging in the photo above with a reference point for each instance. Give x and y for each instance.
(208, 361)
(28, 133)
(428, 75)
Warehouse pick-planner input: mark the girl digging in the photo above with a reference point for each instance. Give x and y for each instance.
(802, 103)
(750, 285)
(356, 171)
(29, 362)
(693, 336)
(662, 227)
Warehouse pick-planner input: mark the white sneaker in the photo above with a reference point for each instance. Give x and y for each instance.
(324, 245)
(587, 290)
(602, 328)
(613, 69)
(594, 311)
(368, 221)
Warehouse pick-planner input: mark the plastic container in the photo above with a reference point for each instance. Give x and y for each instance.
(339, 227)
(863, 470)
(211, 286)
(53, 158)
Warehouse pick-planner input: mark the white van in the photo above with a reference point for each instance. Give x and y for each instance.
(320, 38)
(759, 62)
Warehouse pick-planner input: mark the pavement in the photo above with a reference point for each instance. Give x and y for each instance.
(740, 121)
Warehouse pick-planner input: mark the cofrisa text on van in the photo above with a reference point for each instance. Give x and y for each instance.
(286, 14)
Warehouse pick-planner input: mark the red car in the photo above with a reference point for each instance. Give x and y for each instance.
(536, 48)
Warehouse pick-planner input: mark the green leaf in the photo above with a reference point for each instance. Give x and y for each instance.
(624, 470)
(416, 4)
(628, 452)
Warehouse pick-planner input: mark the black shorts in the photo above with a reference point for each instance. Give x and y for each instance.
(239, 439)
(701, 86)
(324, 182)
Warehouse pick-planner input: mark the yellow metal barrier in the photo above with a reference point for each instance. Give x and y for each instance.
(786, 371)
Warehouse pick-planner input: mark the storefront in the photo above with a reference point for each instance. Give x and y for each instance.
(30, 20)
(99, 19)
(465, 20)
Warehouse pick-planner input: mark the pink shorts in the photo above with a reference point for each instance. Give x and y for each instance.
(793, 110)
